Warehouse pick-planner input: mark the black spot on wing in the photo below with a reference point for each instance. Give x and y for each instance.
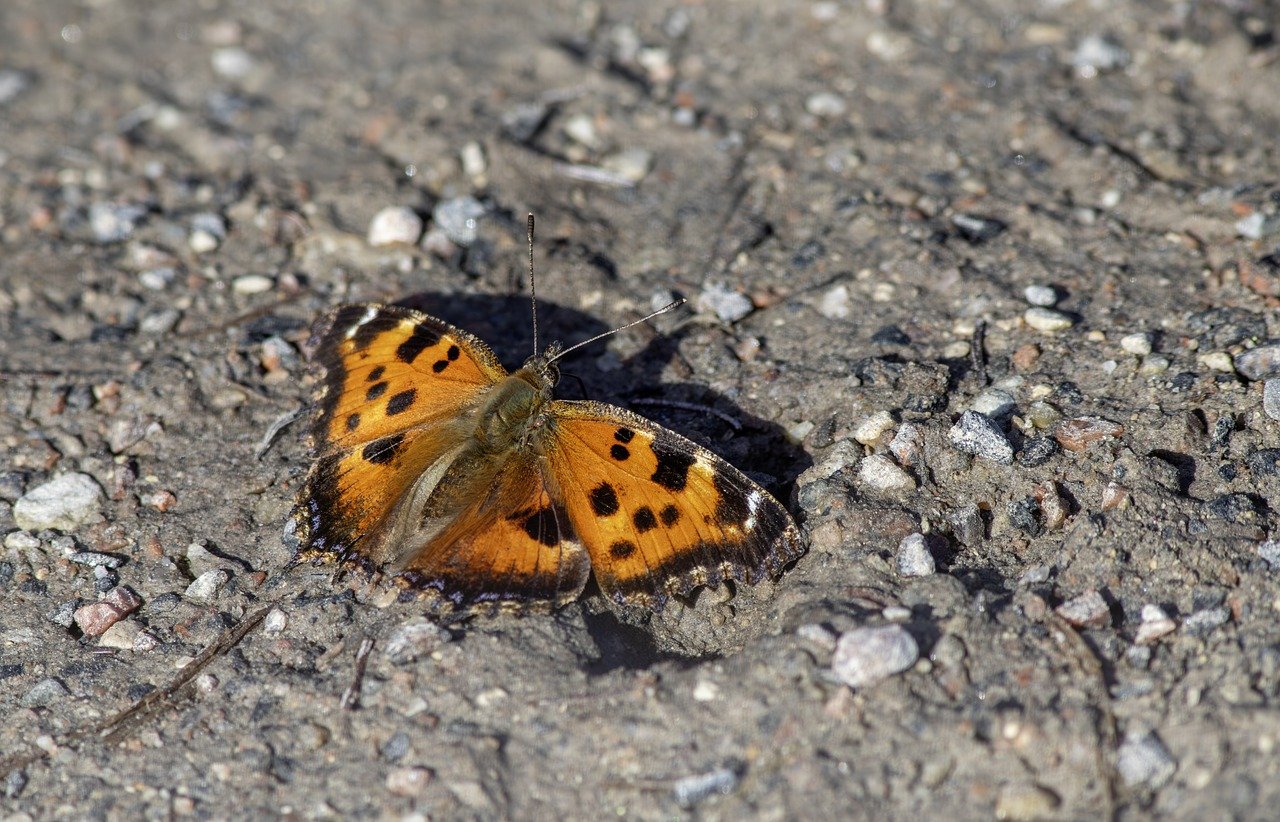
(619, 453)
(542, 526)
(453, 353)
(353, 422)
(400, 403)
(384, 450)
(670, 515)
(673, 466)
(624, 435)
(376, 374)
(604, 500)
(622, 549)
(419, 340)
(439, 365)
(644, 520)
(376, 390)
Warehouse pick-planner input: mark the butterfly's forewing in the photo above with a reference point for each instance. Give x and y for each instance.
(512, 546)
(398, 389)
(658, 514)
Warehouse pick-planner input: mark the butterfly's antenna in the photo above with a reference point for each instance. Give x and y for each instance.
(533, 297)
(669, 306)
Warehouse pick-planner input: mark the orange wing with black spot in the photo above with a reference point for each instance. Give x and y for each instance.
(658, 514)
(397, 390)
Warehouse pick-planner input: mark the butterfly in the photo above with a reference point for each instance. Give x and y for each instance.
(478, 487)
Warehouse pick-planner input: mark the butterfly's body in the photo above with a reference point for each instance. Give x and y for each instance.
(437, 465)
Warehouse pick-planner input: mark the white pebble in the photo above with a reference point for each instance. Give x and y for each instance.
(62, 504)
(1047, 320)
(1138, 344)
(835, 304)
(120, 636)
(826, 104)
(866, 656)
(252, 284)
(1155, 624)
(474, 163)
(21, 541)
(874, 428)
(274, 623)
(630, 164)
(1144, 760)
(1045, 296)
(883, 474)
(581, 128)
(730, 306)
(206, 586)
(1217, 361)
(394, 225)
(914, 557)
(994, 403)
(1250, 227)
(232, 62)
(1088, 610)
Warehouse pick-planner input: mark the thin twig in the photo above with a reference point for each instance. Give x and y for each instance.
(281, 422)
(351, 699)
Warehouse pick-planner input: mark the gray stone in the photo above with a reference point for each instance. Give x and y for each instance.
(459, 219)
(1259, 363)
(976, 434)
(206, 586)
(1271, 398)
(63, 503)
(690, 790)
(1144, 760)
(413, 640)
(866, 656)
(914, 557)
(44, 693)
(728, 305)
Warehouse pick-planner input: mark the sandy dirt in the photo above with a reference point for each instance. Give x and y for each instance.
(1062, 216)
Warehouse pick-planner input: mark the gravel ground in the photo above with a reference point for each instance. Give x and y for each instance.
(987, 290)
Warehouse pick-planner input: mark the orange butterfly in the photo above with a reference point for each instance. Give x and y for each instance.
(438, 465)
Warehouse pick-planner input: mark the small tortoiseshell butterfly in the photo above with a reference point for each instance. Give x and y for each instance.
(437, 465)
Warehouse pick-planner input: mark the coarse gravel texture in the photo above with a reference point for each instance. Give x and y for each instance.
(855, 198)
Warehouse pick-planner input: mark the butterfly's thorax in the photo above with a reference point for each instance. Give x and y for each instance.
(514, 413)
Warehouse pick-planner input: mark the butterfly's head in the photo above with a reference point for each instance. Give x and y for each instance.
(542, 367)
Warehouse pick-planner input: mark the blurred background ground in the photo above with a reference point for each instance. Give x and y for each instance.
(1062, 215)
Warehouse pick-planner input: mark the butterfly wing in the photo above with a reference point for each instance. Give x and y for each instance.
(398, 393)
(658, 514)
(512, 546)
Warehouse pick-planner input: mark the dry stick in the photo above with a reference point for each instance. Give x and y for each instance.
(113, 725)
(351, 699)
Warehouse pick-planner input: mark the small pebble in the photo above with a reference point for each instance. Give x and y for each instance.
(581, 128)
(413, 640)
(908, 444)
(866, 656)
(705, 691)
(145, 641)
(1022, 801)
(836, 303)
(408, 781)
(967, 524)
(274, 623)
(44, 693)
(251, 284)
(21, 541)
(206, 586)
(160, 322)
(12, 83)
(1271, 398)
(872, 430)
(95, 618)
(1270, 551)
(395, 225)
(1144, 760)
(1043, 414)
(826, 104)
(728, 305)
(818, 635)
(994, 403)
(1155, 364)
(976, 229)
(114, 222)
(1096, 54)
(1045, 296)
(1205, 621)
(1079, 433)
(61, 504)
(94, 559)
(914, 557)
(1217, 361)
(690, 790)
(880, 472)
(474, 163)
(630, 164)
(1047, 320)
(208, 230)
(1155, 624)
(1259, 363)
(1251, 227)
(1088, 610)
(976, 434)
(1138, 344)
(459, 219)
(120, 635)
(206, 683)
(232, 62)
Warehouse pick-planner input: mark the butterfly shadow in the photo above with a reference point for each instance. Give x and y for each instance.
(758, 447)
